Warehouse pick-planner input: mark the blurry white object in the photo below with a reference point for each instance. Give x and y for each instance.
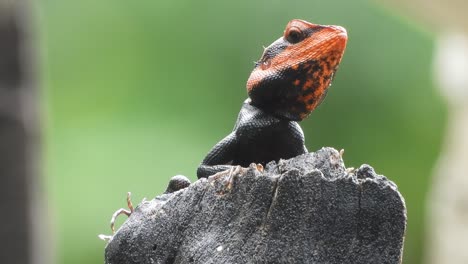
(451, 67)
(448, 199)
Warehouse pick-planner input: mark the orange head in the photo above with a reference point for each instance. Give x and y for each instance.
(293, 74)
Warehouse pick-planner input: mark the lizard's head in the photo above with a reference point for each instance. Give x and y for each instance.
(293, 74)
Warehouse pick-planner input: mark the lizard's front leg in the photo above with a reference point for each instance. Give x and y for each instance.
(220, 157)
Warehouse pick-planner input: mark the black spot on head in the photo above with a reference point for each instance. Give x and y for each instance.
(316, 66)
(309, 91)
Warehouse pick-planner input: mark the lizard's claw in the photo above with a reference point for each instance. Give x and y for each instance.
(122, 211)
(227, 182)
(259, 167)
(232, 172)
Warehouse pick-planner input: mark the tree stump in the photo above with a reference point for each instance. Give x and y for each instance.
(308, 209)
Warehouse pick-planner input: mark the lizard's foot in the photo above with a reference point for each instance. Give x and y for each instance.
(122, 211)
(228, 181)
(107, 238)
(232, 172)
(176, 183)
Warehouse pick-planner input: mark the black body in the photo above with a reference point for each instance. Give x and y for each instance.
(258, 137)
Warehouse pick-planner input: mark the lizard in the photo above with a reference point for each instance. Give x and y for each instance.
(289, 81)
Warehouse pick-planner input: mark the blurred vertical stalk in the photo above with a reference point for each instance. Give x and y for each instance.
(448, 200)
(448, 197)
(20, 201)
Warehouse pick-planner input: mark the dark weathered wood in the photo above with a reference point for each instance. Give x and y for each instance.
(308, 209)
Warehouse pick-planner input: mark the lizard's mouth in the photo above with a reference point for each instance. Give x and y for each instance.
(291, 79)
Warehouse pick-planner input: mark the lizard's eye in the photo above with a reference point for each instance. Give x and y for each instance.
(294, 35)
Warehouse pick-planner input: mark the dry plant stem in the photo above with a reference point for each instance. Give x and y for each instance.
(122, 211)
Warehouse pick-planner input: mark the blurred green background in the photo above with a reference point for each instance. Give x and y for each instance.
(138, 91)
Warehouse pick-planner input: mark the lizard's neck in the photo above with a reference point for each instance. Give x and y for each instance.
(271, 111)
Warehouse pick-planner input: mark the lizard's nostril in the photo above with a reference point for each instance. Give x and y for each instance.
(340, 29)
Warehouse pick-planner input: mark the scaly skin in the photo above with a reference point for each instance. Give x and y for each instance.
(288, 82)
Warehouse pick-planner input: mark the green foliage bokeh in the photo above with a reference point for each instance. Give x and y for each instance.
(138, 91)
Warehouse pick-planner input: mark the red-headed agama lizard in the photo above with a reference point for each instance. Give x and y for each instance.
(288, 82)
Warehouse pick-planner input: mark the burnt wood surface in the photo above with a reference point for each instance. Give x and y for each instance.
(308, 209)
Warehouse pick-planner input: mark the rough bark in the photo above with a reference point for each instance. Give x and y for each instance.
(308, 209)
